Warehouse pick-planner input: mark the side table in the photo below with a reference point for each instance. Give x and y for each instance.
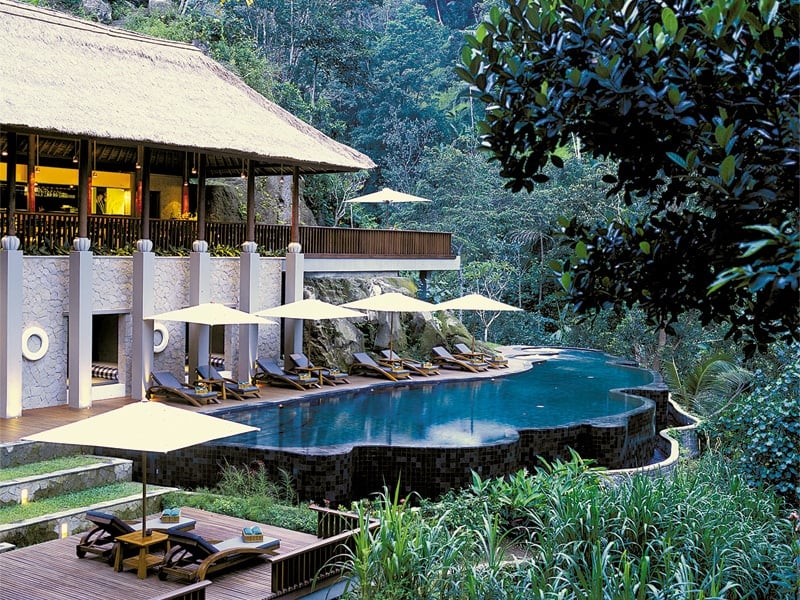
(144, 560)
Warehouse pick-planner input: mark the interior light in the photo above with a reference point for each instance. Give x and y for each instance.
(64, 530)
(23, 496)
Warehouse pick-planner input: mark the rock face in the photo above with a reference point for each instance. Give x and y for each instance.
(227, 201)
(332, 342)
(98, 10)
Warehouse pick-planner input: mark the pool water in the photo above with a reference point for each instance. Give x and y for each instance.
(570, 386)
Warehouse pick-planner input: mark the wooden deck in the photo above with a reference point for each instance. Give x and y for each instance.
(52, 571)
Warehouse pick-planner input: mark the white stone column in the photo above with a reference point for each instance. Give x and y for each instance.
(143, 306)
(79, 394)
(293, 328)
(10, 327)
(199, 293)
(249, 293)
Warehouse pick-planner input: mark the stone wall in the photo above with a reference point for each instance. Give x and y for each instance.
(45, 304)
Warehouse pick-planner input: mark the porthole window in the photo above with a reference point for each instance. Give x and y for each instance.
(160, 337)
(35, 343)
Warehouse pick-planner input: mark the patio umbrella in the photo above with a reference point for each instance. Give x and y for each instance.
(146, 427)
(392, 302)
(386, 196)
(310, 308)
(478, 303)
(210, 313)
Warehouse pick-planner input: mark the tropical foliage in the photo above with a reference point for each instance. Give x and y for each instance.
(695, 102)
(567, 532)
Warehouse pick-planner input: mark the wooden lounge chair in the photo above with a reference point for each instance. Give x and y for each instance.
(364, 362)
(269, 372)
(166, 385)
(193, 558)
(329, 376)
(107, 527)
(494, 360)
(229, 388)
(442, 357)
(390, 358)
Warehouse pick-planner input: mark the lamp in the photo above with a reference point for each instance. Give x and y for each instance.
(194, 163)
(243, 175)
(280, 181)
(75, 154)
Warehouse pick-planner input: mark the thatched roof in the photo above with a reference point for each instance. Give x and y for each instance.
(64, 76)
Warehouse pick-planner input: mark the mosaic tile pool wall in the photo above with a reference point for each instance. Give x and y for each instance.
(622, 441)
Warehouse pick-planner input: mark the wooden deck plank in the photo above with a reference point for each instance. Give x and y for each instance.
(52, 571)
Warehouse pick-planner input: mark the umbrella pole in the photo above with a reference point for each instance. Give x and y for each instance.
(144, 493)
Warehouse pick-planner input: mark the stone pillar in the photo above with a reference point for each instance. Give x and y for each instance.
(295, 272)
(249, 292)
(143, 303)
(10, 327)
(199, 293)
(293, 328)
(79, 394)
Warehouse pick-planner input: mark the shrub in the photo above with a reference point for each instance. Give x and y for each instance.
(762, 431)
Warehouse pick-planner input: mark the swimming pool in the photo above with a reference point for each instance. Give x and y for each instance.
(570, 386)
(431, 436)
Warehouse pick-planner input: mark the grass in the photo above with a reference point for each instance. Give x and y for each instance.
(47, 466)
(80, 499)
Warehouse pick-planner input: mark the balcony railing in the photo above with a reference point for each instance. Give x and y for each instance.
(52, 233)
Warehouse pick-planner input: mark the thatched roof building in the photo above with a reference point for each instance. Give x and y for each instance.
(65, 77)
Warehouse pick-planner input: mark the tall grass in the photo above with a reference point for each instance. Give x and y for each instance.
(567, 532)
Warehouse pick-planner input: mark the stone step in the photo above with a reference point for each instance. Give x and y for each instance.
(105, 471)
(68, 522)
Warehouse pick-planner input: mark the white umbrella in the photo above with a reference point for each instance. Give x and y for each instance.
(210, 313)
(478, 303)
(310, 308)
(386, 196)
(145, 427)
(392, 302)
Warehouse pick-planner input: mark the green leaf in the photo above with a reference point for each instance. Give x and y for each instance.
(644, 247)
(723, 135)
(674, 95)
(727, 169)
(670, 21)
(580, 250)
(566, 280)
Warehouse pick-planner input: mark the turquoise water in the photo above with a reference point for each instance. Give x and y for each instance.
(570, 386)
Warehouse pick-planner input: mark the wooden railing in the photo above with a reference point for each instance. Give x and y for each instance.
(300, 567)
(52, 233)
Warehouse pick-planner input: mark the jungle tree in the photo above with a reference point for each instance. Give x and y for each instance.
(696, 101)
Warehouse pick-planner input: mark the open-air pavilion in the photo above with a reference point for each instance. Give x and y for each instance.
(89, 109)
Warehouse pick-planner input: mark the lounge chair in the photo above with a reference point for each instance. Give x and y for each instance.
(193, 558)
(328, 375)
(364, 362)
(229, 388)
(269, 372)
(442, 357)
(166, 385)
(390, 358)
(493, 359)
(107, 527)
